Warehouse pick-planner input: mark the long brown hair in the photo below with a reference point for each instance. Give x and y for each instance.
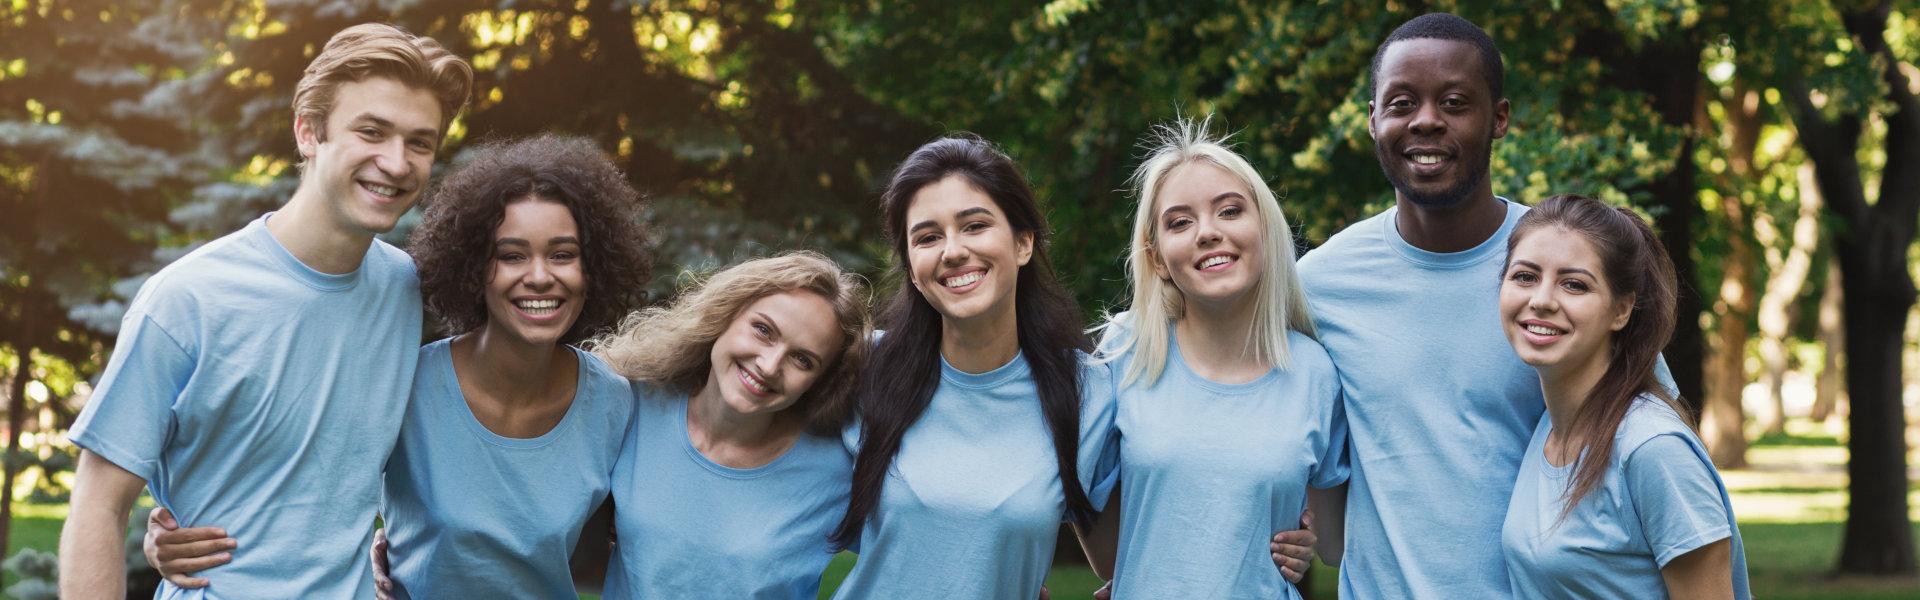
(1633, 262)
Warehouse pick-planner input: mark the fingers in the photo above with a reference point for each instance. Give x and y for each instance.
(188, 566)
(1044, 594)
(1291, 575)
(175, 551)
(1104, 593)
(1296, 537)
(377, 554)
(1306, 520)
(162, 518)
(186, 582)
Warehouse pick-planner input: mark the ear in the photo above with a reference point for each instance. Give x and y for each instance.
(1622, 312)
(306, 137)
(1024, 240)
(1502, 111)
(1374, 133)
(1159, 263)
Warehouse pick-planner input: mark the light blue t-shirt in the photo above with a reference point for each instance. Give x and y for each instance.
(973, 504)
(1210, 470)
(692, 528)
(1439, 407)
(1660, 498)
(257, 394)
(473, 514)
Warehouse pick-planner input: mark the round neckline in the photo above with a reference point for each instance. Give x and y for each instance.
(681, 406)
(451, 379)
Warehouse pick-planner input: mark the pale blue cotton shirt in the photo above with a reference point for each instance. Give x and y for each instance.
(689, 527)
(1209, 471)
(1439, 407)
(1660, 498)
(973, 504)
(474, 514)
(256, 394)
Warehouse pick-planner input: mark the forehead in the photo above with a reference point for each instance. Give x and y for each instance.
(405, 106)
(1551, 246)
(1423, 63)
(803, 317)
(942, 199)
(535, 214)
(1199, 180)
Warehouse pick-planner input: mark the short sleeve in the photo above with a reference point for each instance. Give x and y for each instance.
(1677, 496)
(1099, 438)
(128, 418)
(1333, 468)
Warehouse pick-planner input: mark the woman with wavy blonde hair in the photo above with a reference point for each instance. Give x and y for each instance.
(1228, 407)
(732, 475)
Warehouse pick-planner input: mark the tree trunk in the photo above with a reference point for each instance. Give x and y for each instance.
(1722, 425)
(16, 418)
(1872, 244)
(1827, 395)
(1788, 277)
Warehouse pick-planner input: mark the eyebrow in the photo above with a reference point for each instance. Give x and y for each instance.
(1563, 270)
(383, 123)
(977, 210)
(557, 240)
(1216, 200)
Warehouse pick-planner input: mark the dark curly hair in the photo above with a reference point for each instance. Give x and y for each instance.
(453, 246)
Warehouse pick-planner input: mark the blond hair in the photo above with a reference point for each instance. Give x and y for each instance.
(381, 50)
(670, 345)
(1142, 330)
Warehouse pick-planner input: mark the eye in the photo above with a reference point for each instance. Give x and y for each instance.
(805, 363)
(510, 257)
(1576, 286)
(563, 256)
(1453, 102)
(973, 227)
(421, 144)
(1178, 223)
(926, 239)
(762, 329)
(368, 132)
(1231, 211)
(1400, 103)
(1522, 277)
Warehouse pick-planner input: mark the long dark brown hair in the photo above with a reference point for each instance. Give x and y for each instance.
(1050, 335)
(1633, 262)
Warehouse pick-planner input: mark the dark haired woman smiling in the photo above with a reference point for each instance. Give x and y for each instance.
(982, 426)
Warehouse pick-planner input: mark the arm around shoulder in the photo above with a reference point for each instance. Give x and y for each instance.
(93, 562)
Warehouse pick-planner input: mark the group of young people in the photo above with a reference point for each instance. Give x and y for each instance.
(1467, 392)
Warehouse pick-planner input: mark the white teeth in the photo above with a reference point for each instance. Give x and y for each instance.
(538, 307)
(1427, 159)
(1543, 330)
(963, 279)
(753, 383)
(1217, 260)
(381, 189)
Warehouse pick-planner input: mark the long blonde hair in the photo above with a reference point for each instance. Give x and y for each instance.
(670, 345)
(1157, 302)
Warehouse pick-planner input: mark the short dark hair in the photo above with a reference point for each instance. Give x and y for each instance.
(1444, 26)
(453, 247)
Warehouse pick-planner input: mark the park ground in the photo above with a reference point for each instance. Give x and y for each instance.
(1791, 504)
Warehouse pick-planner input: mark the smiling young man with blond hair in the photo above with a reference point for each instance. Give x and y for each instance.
(259, 381)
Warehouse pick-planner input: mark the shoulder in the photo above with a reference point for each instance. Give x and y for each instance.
(389, 261)
(1307, 352)
(1359, 237)
(1652, 427)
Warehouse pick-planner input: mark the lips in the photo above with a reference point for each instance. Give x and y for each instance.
(538, 307)
(1541, 332)
(754, 384)
(1217, 261)
(963, 279)
(1427, 161)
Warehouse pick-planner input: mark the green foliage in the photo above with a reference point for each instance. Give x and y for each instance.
(37, 573)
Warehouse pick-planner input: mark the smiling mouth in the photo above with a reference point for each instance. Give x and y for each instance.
(383, 190)
(963, 280)
(1542, 330)
(753, 383)
(1216, 260)
(538, 308)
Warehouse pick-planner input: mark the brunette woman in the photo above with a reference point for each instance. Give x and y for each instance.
(1616, 497)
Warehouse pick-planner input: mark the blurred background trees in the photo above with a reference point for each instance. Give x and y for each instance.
(1774, 143)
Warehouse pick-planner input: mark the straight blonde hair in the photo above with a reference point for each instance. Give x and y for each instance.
(1142, 329)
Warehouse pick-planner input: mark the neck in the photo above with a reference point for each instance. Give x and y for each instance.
(981, 344)
(1214, 340)
(1567, 387)
(513, 372)
(315, 237)
(709, 416)
(1452, 229)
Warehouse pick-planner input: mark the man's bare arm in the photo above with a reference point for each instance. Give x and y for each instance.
(93, 560)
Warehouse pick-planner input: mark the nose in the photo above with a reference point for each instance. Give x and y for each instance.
(1543, 299)
(1427, 121)
(768, 363)
(954, 252)
(391, 158)
(538, 275)
(1206, 232)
